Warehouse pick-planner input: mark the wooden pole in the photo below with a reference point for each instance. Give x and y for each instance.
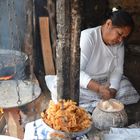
(63, 48)
(14, 127)
(75, 50)
(68, 50)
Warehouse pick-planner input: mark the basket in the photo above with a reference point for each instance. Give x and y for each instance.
(13, 62)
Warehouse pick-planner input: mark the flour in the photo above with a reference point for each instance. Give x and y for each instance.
(111, 105)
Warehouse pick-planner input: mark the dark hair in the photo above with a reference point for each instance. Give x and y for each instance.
(120, 18)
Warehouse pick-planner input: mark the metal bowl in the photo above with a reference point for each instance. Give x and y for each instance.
(71, 134)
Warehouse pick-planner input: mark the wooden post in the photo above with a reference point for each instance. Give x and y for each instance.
(51, 7)
(63, 48)
(14, 127)
(75, 50)
(2, 122)
(68, 50)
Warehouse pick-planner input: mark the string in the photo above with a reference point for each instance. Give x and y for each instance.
(18, 44)
(10, 31)
(31, 66)
(12, 18)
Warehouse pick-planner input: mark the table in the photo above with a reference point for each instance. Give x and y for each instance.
(28, 91)
(38, 130)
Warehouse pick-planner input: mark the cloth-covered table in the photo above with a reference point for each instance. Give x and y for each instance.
(37, 130)
(123, 134)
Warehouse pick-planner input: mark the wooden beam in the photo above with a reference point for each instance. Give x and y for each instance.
(12, 117)
(63, 48)
(75, 50)
(2, 122)
(46, 46)
(68, 49)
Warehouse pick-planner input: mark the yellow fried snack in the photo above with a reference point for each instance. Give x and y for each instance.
(57, 135)
(66, 116)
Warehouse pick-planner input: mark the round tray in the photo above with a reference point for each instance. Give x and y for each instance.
(70, 134)
(9, 94)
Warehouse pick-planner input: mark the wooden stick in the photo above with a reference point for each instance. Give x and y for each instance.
(46, 47)
(12, 119)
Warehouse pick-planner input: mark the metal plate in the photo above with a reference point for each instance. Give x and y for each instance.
(71, 134)
(9, 95)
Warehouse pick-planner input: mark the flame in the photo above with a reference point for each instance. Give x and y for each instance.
(1, 111)
(6, 77)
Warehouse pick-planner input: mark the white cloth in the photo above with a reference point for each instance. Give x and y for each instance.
(51, 82)
(89, 99)
(99, 60)
(36, 132)
(4, 137)
(123, 134)
(127, 94)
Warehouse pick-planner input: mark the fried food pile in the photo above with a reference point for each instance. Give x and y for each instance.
(66, 116)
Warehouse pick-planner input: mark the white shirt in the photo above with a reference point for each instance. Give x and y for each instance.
(99, 60)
